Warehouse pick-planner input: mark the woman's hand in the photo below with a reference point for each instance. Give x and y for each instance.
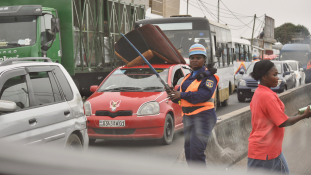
(174, 95)
(307, 112)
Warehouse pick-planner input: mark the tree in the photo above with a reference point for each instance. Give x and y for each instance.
(285, 32)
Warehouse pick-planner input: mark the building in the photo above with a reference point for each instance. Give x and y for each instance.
(165, 8)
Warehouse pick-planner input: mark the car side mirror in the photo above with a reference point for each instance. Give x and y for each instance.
(55, 25)
(7, 106)
(291, 71)
(47, 45)
(93, 88)
(241, 72)
(176, 87)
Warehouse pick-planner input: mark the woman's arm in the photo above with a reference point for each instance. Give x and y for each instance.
(292, 120)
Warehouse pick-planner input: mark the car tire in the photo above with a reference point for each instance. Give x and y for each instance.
(285, 89)
(241, 99)
(92, 141)
(224, 103)
(168, 134)
(74, 142)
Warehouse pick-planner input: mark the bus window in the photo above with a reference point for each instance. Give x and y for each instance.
(228, 55)
(224, 54)
(237, 50)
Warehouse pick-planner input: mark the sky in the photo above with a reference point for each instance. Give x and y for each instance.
(282, 11)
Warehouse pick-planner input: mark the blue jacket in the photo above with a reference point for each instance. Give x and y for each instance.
(204, 92)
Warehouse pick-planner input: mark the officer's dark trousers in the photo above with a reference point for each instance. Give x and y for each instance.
(197, 130)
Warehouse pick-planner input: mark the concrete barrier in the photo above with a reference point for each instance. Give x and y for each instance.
(229, 141)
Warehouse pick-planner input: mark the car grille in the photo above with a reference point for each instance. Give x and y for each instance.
(115, 114)
(114, 131)
(252, 83)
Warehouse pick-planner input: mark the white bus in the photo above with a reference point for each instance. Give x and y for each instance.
(186, 31)
(242, 57)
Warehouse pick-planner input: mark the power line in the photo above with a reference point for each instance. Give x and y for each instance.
(238, 14)
(200, 8)
(234, 14)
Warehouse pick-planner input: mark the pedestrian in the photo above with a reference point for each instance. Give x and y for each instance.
(196, 96)
(268, 122)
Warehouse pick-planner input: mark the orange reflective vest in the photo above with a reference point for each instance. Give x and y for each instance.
(192, 109)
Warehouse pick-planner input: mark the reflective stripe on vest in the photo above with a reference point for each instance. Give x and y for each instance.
(193, 87)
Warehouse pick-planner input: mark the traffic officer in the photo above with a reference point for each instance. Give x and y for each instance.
(196, 96)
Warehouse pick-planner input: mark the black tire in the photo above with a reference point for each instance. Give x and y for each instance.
(224, 103)
(230, 89)
(168, 134)
(74, 142)
(241, 99)
(92, 141)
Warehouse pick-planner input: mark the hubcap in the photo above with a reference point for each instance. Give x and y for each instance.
(168, 129)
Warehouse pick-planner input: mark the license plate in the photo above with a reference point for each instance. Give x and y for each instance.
(253, 90)
(112, 123)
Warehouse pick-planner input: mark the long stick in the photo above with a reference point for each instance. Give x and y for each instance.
(159, 77)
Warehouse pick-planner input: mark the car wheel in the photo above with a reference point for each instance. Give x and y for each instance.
(241, 99)
(92, 141)
(224, 103)
(285, 89)
(74, 142)
(168, 130)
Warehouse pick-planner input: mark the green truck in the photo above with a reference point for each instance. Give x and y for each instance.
(79, 34)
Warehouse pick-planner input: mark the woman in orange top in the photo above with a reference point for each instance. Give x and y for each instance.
(268, 122)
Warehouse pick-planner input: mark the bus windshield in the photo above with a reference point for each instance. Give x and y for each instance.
(17, 31)
(301, 57)
(184, 39)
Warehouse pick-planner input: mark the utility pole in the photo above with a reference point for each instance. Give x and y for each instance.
(187, 6)
(218, 11)
(253, 33)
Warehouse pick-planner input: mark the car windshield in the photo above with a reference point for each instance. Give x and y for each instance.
(293, 65)
(17, 31)
(136, 79)
(277, 65)
(301, 57)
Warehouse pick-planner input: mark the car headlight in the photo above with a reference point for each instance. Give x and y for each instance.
(87, 108)
(149, 108)
(279, 82)
(242, 83)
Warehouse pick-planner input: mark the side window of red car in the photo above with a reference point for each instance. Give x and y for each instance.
(177, 74)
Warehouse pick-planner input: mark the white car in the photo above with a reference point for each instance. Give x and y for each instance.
(298, 70)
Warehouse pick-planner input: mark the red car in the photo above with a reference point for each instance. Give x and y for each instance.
(131, 103)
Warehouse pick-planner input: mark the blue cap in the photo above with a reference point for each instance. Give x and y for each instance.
(197, 49)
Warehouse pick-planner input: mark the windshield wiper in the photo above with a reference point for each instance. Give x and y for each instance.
(123, 89)
(153, 88)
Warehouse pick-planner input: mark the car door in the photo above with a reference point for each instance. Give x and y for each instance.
(176, 78)
(50, 111)
(18, 125)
